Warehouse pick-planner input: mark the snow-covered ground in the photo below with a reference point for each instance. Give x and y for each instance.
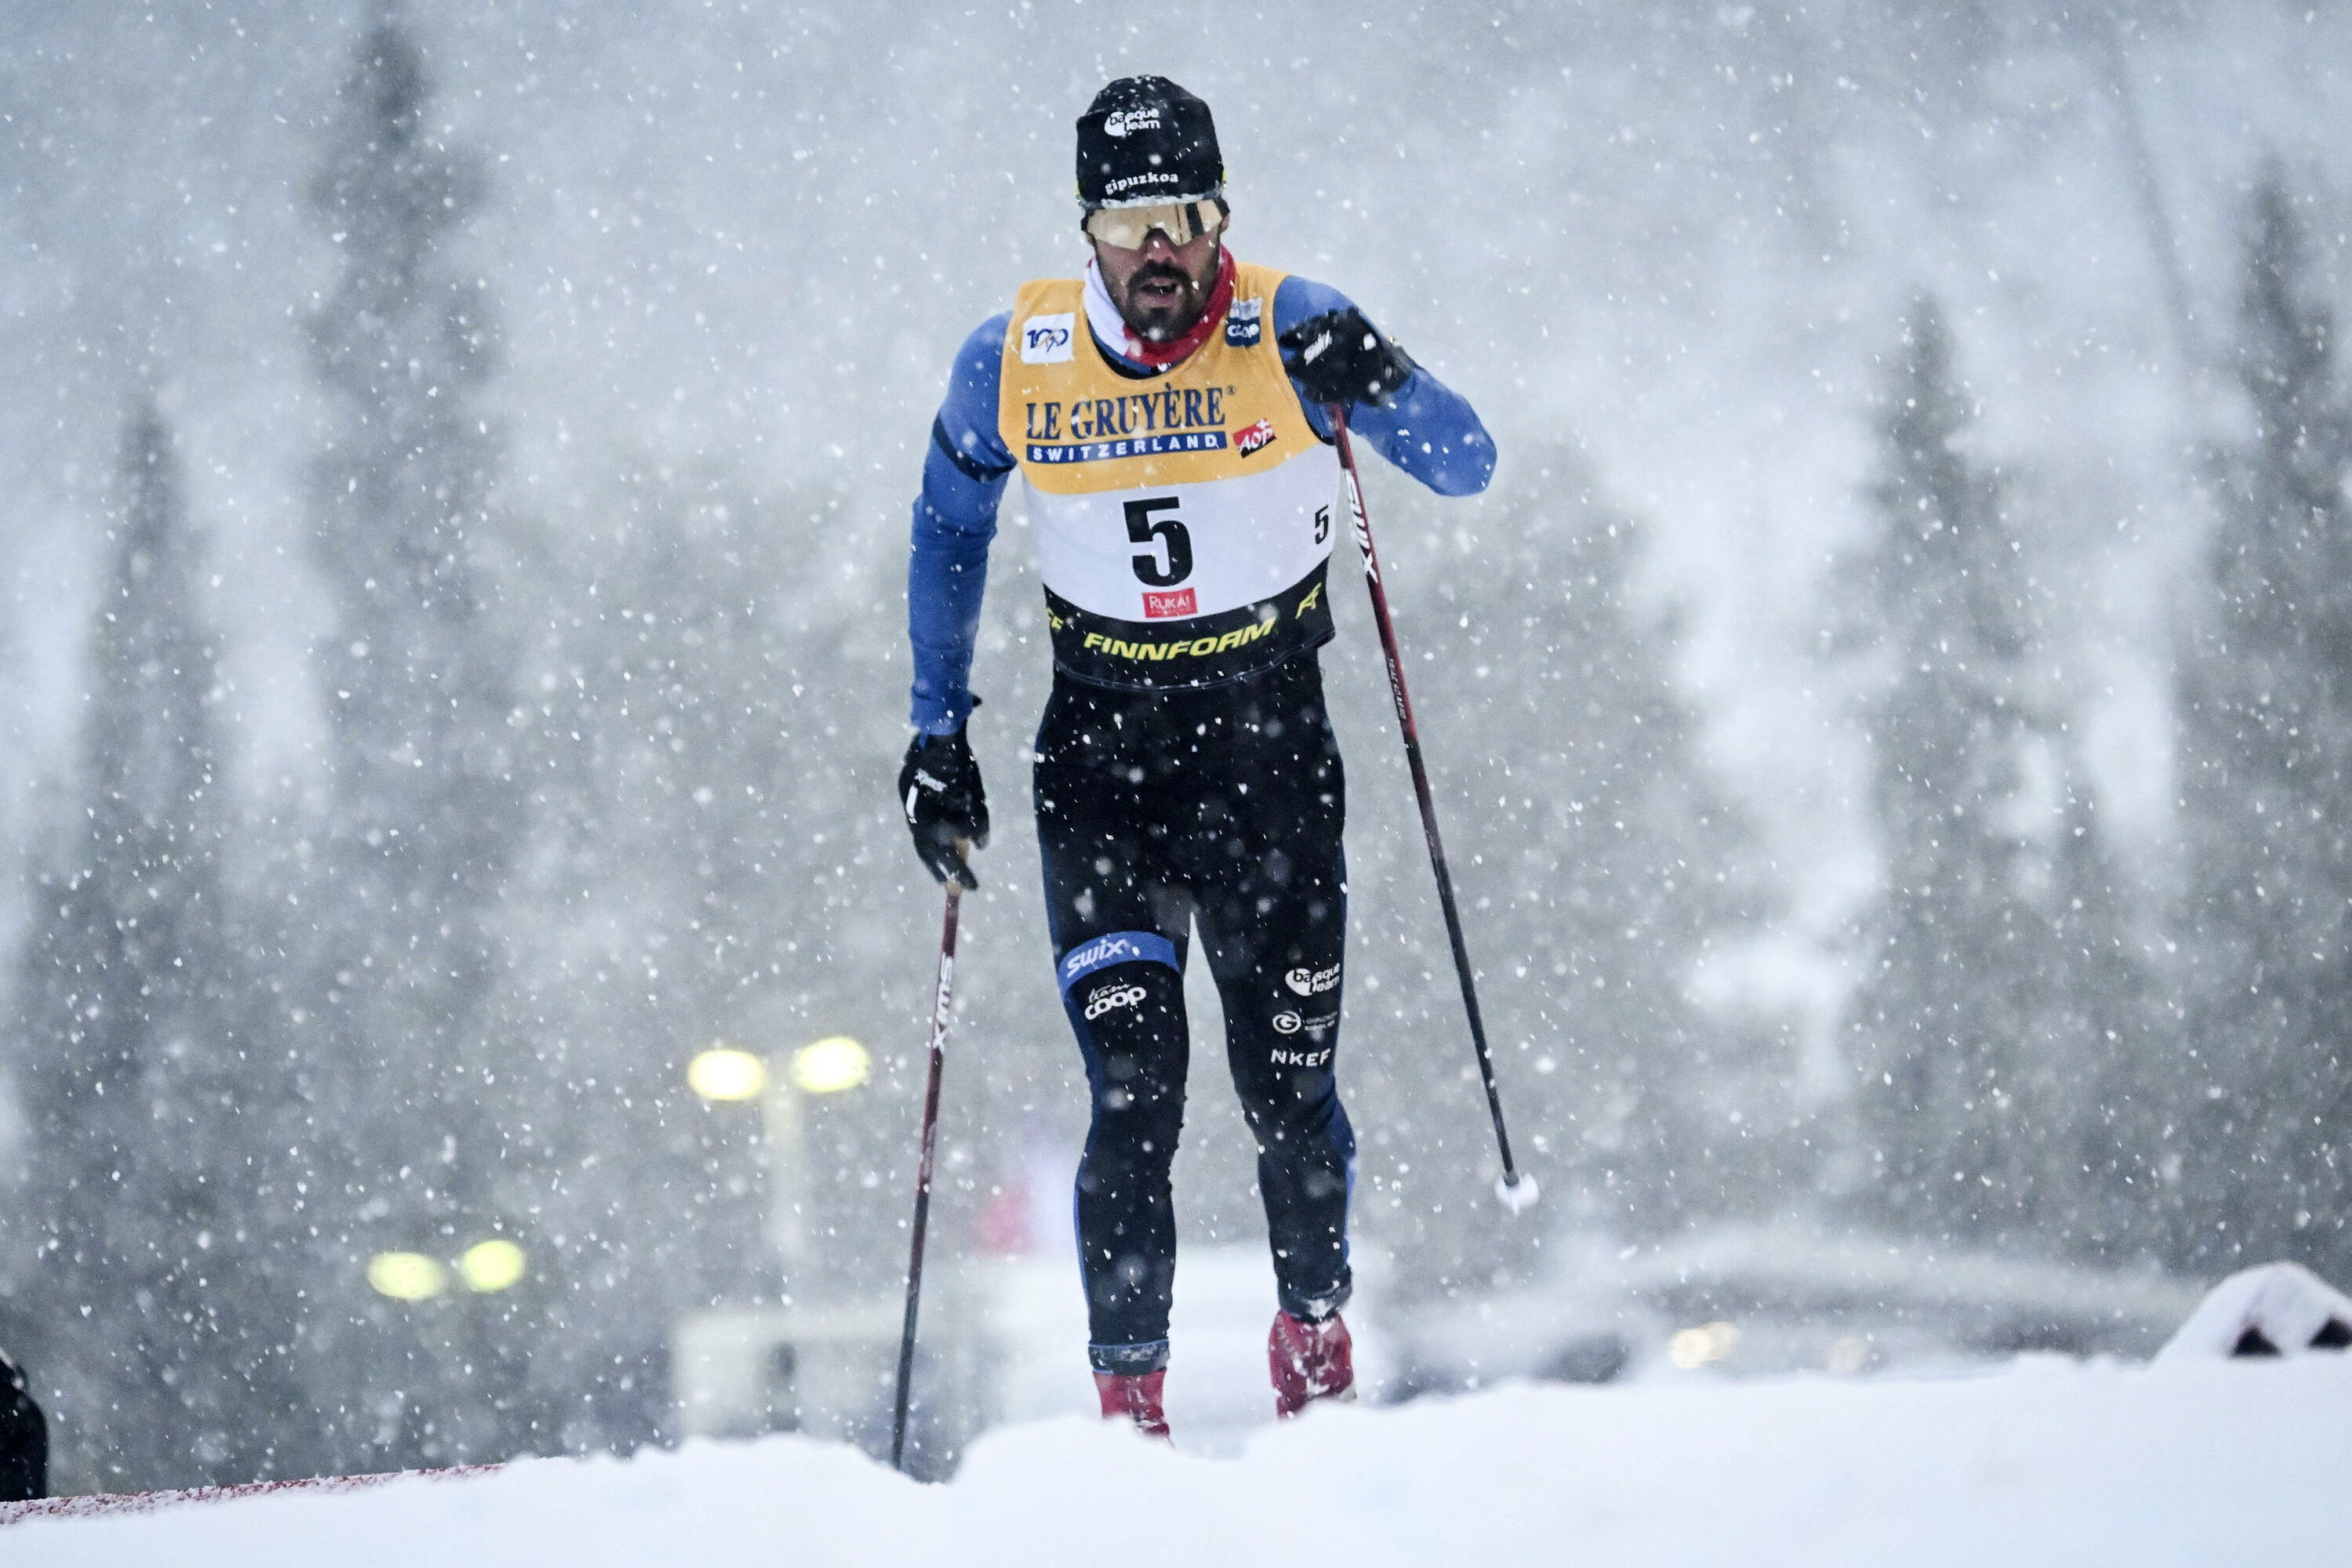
(2044, 1462)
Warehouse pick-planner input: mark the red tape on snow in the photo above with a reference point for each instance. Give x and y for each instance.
(101, 1503)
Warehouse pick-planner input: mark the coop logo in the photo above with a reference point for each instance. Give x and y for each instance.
(1289, 1022)
(1283, 1058)
(1244, 320)
(1312, 981)
(1109, 998)
(1049, 339)
(1258, 435)
(1128, 121)
(1160, 606)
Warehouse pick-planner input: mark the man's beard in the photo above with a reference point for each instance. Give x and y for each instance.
(1164, 323)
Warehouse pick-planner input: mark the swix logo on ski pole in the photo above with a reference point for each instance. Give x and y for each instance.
(1109, 998)
(1363, 529)
(940, 1007)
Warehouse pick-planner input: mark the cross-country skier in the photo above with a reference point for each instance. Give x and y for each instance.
(1168, 412)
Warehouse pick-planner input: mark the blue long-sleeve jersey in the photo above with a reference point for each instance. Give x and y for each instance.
(1426, 429)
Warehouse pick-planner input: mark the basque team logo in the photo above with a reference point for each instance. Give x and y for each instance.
(1258, 435)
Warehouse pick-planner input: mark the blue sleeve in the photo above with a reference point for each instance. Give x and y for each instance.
(1427, 430)
(964, 471)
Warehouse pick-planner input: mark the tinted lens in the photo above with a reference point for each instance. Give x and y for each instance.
(1130, 229)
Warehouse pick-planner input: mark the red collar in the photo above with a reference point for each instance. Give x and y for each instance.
(1159, 356)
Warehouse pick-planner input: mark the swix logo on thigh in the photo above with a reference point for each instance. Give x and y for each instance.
(1098, 953)
(1118, 947)
(1108, 998)
(1312, 981)
(1160, 606)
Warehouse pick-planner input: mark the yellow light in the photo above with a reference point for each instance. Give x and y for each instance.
(830, 1065)
(1696, 1347)
(406, 1275)
(492, 1265)
(722, 1072)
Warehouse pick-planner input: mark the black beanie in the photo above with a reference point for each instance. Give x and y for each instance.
(1144, 139)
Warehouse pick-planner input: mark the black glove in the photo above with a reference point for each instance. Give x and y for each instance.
(945, 806)
(1340, 357)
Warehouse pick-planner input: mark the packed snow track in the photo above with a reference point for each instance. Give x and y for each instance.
(2046, 1462)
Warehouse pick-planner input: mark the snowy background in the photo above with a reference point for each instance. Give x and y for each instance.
(1888, 713)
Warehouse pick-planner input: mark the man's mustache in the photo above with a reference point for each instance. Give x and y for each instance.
(1160, 271)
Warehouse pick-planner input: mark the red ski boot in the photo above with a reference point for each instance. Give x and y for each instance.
(1310, 1360)
(1134, 1396)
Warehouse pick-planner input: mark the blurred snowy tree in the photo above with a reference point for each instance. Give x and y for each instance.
(150, 1108)
(2100, 1083)
(1597, 858)
(673, 862)
(1948, 1019)
(2259, 1154)
(409, 1071)
(715, 759)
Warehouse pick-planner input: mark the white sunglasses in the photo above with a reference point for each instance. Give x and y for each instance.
(1130, 229)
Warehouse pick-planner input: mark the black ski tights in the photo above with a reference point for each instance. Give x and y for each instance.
(1220, 810)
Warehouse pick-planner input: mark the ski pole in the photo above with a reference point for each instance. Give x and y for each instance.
(923, 1171)
(1515, 1189)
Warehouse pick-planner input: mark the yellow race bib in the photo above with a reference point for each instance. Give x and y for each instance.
(1182, 520)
